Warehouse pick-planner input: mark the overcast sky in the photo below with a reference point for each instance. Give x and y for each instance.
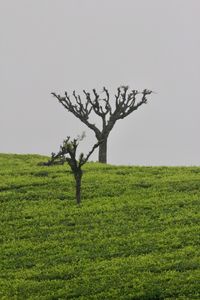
(58, 45)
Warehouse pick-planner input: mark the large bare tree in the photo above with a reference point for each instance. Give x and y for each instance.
(126, 101)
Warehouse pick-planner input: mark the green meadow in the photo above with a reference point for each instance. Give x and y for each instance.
(136, 234)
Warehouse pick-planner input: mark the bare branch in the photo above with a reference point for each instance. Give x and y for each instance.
(126, 102)
(79, 110)
(117, 97)
(83, 160)
(107, 103)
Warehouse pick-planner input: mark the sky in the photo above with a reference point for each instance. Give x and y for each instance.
(55, 46)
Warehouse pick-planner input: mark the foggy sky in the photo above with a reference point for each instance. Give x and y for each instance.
(49, 45)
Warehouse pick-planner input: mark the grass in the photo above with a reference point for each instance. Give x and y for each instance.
(135, 236)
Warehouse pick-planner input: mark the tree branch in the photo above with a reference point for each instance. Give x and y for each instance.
(79, 110)
(125, 103)
(83, 160)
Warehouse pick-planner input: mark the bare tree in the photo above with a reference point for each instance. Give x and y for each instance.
(125, 103)
(67, 153)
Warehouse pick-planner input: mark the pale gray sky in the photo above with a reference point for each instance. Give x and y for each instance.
(58, 45)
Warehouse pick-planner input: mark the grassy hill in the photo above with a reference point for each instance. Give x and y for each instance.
(135, 236)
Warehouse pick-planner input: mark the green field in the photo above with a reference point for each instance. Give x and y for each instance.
(135, 235)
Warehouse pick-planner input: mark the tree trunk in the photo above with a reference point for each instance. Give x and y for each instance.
(78, 177)
(103, 151)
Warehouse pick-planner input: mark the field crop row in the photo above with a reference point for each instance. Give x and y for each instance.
(135, 235)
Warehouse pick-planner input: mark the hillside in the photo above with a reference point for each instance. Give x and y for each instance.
(135, 236)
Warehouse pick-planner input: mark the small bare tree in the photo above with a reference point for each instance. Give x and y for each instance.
(67, 153)
(125, 103)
